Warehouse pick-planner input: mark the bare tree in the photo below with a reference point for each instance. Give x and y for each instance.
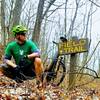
(37, 27)
(3, 35)
(14, 16)
(70, 32)
(17, 12)
(39, 18)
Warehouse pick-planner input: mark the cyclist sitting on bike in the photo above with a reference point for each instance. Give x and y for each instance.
(26, 56)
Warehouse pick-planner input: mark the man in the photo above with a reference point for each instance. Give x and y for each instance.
(26, 56)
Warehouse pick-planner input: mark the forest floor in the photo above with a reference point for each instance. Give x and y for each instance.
(85, 89)
(10, 90)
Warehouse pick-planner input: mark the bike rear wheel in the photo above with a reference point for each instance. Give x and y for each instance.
(56, 74)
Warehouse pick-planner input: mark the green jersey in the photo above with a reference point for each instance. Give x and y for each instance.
(18, 51)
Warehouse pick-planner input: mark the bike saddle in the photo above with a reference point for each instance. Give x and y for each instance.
(63, 39)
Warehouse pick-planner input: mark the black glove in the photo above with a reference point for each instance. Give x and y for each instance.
(17, 70)
(23, 61)
(25, 57)
(17, 74)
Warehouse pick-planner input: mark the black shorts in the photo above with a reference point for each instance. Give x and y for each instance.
(26, 72)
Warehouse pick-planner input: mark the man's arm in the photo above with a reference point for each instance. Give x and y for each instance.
(35, 54)
(8, 56)
(10, 63)
(35, 51)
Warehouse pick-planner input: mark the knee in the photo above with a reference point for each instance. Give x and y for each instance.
(38, 60)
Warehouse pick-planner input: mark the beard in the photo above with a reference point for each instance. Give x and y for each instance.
(21, 40)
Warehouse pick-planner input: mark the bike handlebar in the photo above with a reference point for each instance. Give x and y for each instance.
(55, 42)
(63, 39)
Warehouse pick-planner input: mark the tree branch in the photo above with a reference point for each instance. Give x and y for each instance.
(94, 3)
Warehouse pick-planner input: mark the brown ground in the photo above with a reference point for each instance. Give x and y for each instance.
(10, 90)
(84, 90)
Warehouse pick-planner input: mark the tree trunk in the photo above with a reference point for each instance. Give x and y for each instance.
(3, 36)
(37, 27)
(17, 12)
(16, 16)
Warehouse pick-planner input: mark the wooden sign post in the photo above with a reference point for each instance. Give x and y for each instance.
(72, 75)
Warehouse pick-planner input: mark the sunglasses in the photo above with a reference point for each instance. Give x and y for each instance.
(21, 34)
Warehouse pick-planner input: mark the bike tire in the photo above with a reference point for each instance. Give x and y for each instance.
(56, 76)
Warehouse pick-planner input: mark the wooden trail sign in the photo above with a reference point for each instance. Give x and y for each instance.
(73, 46)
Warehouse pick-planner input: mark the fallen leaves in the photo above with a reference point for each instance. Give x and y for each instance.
(10, 90)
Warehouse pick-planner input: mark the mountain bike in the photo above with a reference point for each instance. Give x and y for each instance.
(57, 70)
(55, 73)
